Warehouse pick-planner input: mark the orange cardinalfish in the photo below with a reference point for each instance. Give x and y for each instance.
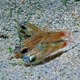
(40, 44)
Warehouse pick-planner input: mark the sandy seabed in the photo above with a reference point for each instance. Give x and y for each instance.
(58, 16)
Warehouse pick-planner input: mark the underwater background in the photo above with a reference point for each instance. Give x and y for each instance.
(58, 15)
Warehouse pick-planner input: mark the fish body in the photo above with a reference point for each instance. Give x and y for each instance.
(40, 44)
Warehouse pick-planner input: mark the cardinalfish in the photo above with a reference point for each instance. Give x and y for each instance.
(37, 44)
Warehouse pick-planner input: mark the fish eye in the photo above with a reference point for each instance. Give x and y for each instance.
(28, 36)
(22, 26)
(24, 50)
